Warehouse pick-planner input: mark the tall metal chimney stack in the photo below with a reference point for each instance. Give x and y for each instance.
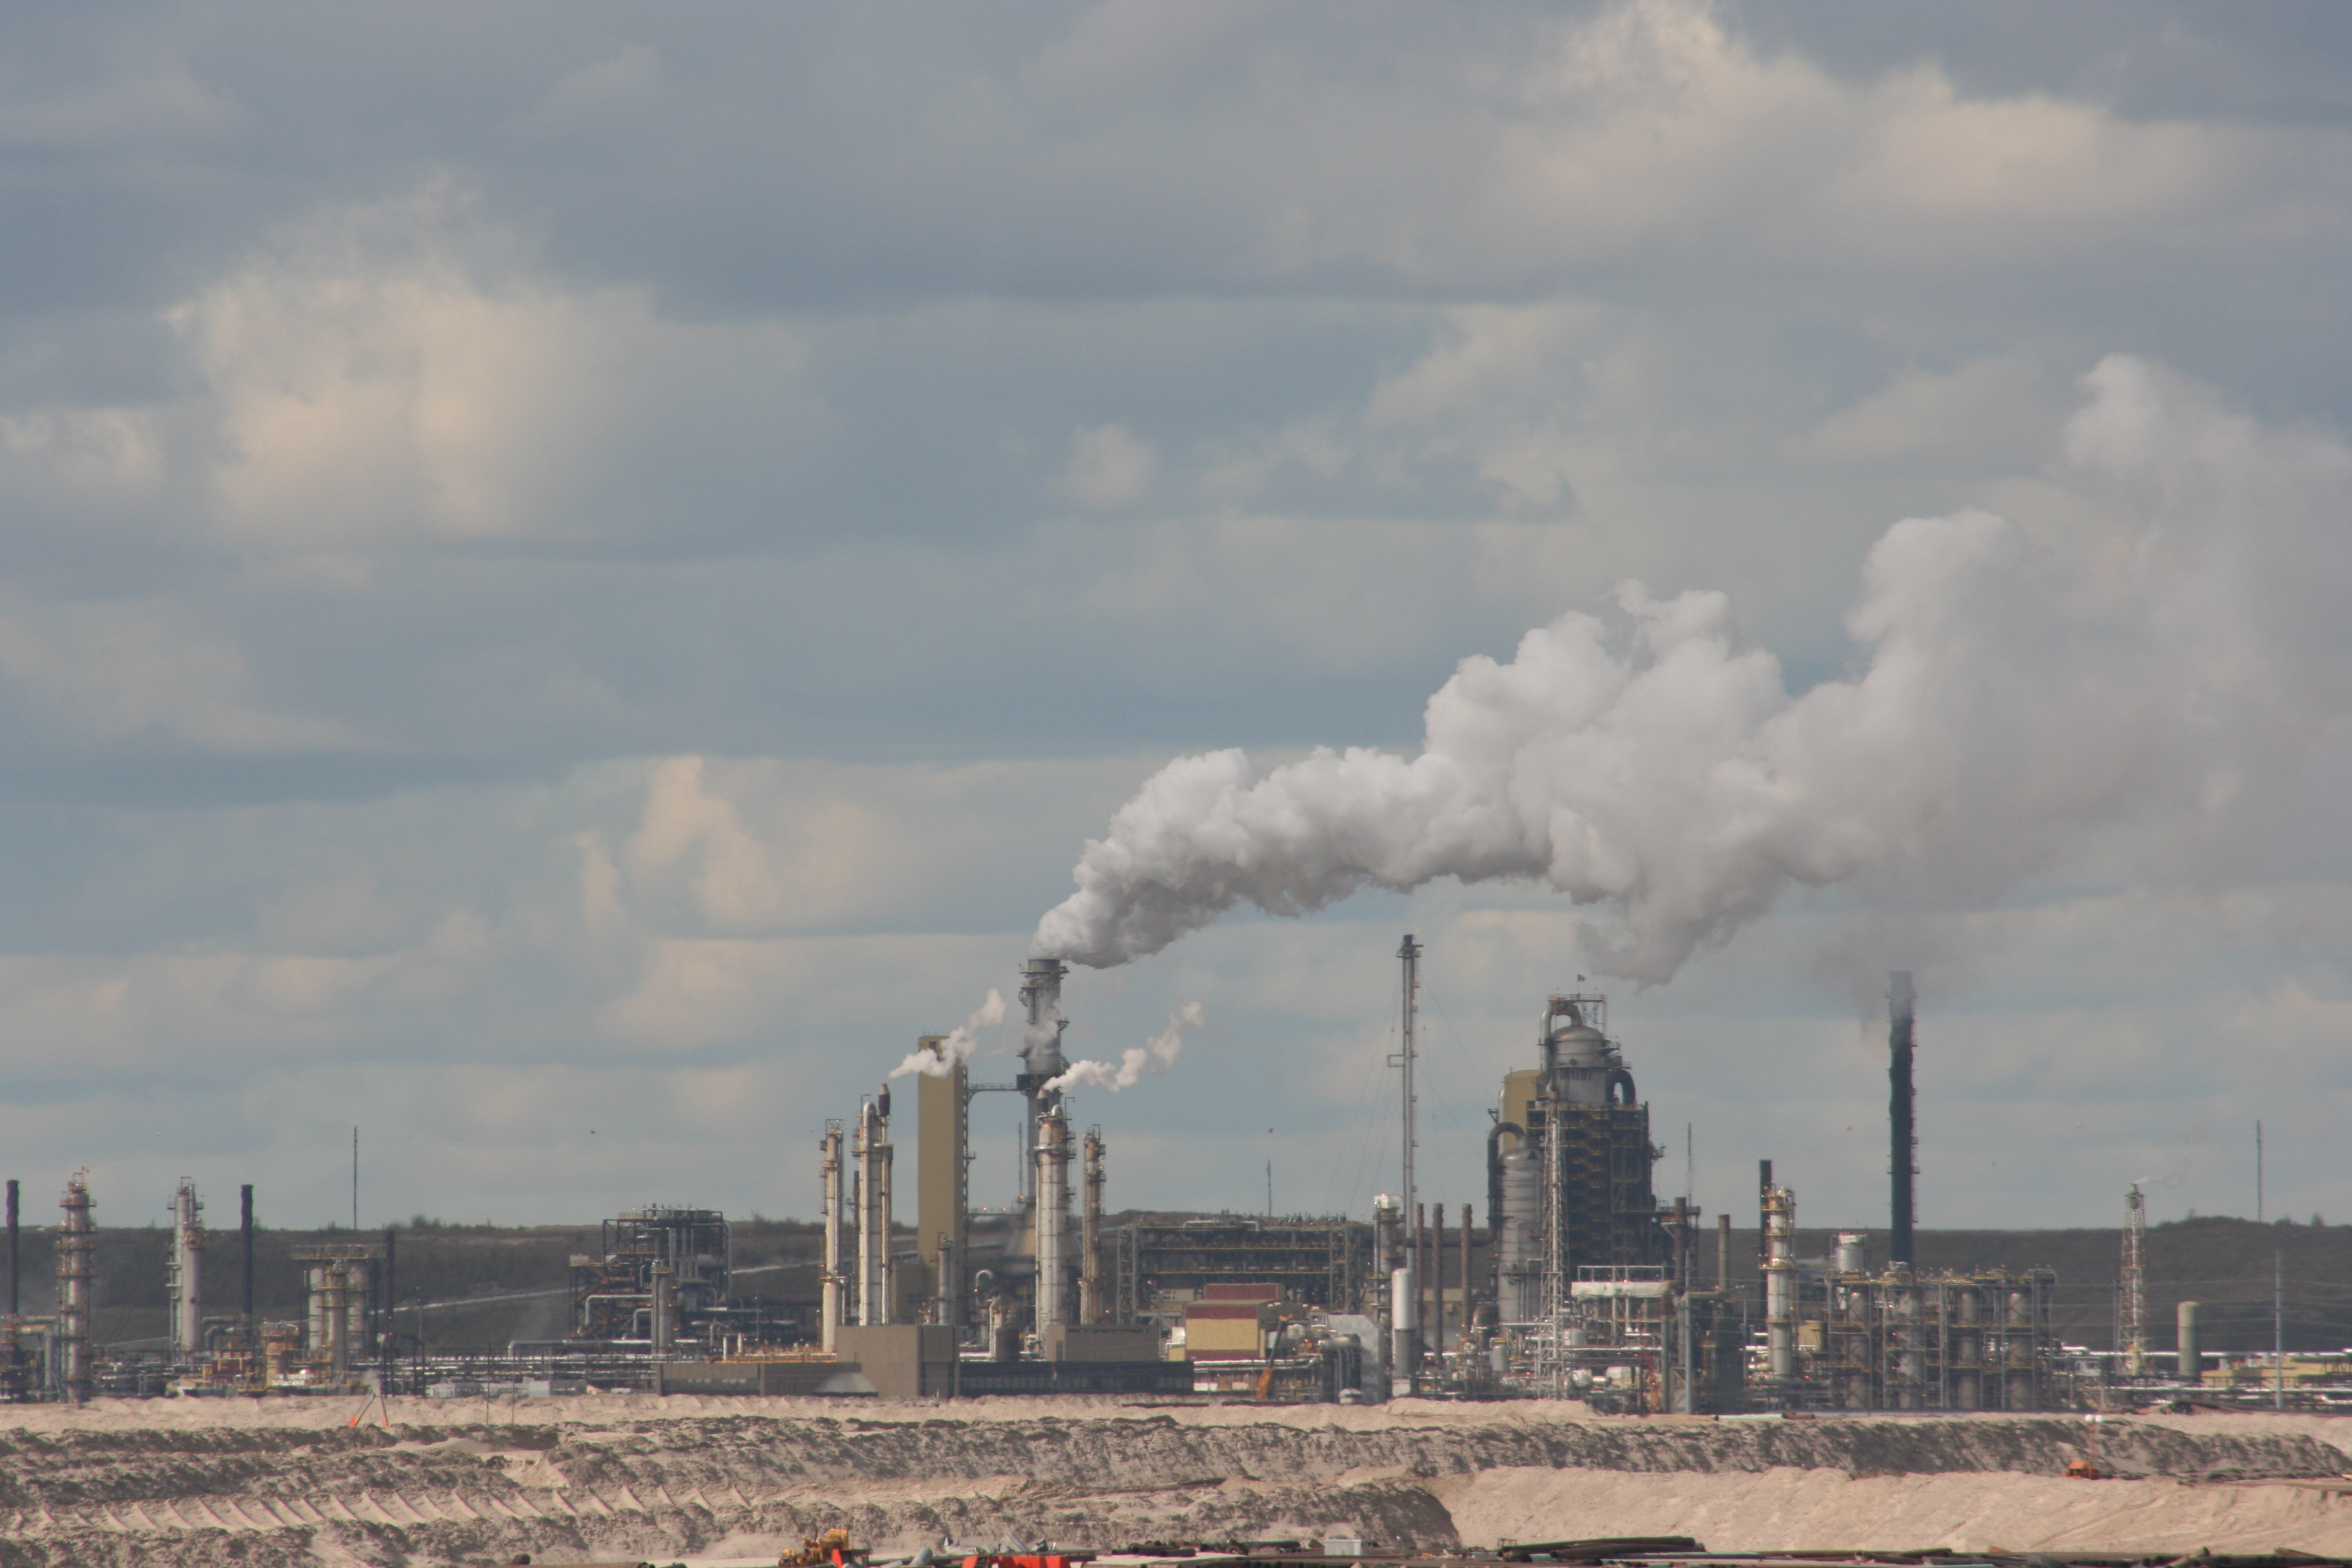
(245, 1224)
(1902, 1162)
(1041, 1055)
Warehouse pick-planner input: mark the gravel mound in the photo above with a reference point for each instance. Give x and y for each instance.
(79, 1489)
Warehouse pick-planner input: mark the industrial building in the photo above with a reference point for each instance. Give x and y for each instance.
(1583, 1283)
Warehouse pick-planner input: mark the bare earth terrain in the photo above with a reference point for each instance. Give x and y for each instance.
(260, 1484)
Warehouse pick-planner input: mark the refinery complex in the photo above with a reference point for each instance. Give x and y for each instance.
(1576, 1281)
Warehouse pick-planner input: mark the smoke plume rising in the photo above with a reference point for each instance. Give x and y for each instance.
(1151, 1059)
(2016, 695)
(956, 1048)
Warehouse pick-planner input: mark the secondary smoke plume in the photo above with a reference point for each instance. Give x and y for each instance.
(2015, 696)
(1151, 1059)
(956, 1048)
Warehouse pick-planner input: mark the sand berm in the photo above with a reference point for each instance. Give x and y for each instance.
(261, 1484)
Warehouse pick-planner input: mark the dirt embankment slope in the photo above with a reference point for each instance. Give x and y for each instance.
(646, 1479)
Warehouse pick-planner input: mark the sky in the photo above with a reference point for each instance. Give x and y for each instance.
(574, 578)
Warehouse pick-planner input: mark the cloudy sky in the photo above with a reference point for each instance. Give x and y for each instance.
(576, 578)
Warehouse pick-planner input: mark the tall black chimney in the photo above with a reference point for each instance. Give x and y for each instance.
(12, 1249)
(1903, 1163)
(247, 1225)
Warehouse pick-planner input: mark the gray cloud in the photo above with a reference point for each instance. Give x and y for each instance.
(422, 433)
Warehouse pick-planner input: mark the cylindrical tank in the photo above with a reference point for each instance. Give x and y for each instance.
(1404, 1329)
(2191, 1364)
(1905, 1339)
(1388, 1230)
(1850, 1259)
(1521, 1227)
(1580, 1061)
(357, 1279)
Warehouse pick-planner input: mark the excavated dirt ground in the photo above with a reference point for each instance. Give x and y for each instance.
(282, 1483)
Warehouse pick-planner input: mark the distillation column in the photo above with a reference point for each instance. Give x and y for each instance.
(75, 1245)
(1053, 1220)
(829, 1205)
(187, 1274)
(873, 1215)
(2135, 1283)
(1781, 1282)
(1091, 1212)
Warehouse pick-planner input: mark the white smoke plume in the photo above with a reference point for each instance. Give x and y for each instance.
(956, 1048)
(2016, 695)
(1151, 1059)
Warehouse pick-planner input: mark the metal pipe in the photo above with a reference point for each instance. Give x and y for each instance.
(1437, 1279)
(2189, 1365)
(1494, 1179)
(1903, 1161)
(829, 1207)
(1053, 1218)
(1415, 1259)
(664, 1325)
(1465, 1335)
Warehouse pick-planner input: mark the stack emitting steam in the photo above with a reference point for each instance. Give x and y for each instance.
(1154, 1056)
(2015, 696)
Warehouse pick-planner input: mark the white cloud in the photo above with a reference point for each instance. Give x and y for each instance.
(111, 671)
(395, 374)
(1991, 414)
(1110, 467)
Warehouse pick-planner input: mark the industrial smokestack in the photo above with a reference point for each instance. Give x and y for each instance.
(1090, 1213)
(1053, 1220)
(1041, 1052)
(12, 1251)
(246, 1224)
(1903, 1155)
(830, 1321)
